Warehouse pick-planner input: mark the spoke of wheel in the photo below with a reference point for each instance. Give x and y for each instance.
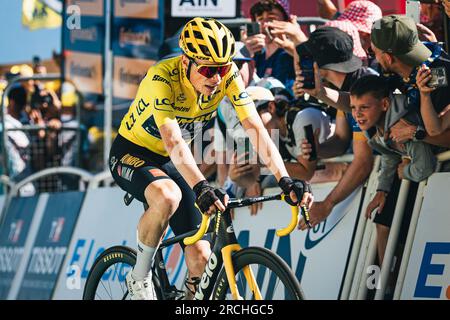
(106, 290)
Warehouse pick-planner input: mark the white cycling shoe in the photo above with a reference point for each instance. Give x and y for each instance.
(140, 289)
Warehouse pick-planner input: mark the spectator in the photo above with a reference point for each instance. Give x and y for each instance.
(397, 48)
(446, 5)
(18, 143)
(362, 14)
(290, 121)
(327, 10)
(435, 124)
(375, 111)
(270, 59)
(332, 49)
(352, 31)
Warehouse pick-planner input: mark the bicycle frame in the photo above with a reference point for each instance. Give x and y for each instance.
(225, 244)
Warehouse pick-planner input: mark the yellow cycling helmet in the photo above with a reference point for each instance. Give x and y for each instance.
(207, 39)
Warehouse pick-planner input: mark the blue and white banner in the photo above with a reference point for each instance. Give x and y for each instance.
(50, 246)
(13, 235)
(318, 256)
(428, 272)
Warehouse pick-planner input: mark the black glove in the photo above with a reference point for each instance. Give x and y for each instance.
(299, 187)
(206, 195)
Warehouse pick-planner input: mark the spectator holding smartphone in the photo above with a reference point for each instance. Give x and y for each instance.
(270, 59)
(435, 124)
(335, 62)
(375, 111)
(397, 48)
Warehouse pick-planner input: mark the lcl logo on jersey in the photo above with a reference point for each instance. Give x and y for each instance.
(56, 229)
(242, 99)
(15, 229)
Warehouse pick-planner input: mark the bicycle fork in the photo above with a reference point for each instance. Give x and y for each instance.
(225, 246)
(227, 253)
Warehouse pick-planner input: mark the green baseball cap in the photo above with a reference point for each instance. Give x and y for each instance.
(397, 35)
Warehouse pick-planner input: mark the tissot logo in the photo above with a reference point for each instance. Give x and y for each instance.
(15, 229)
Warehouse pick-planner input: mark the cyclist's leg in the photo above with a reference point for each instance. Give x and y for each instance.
(187, 218)
(138, 172)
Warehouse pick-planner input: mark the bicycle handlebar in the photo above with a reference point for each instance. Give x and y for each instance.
(237, 203)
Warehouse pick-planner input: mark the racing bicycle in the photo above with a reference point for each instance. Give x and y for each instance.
(231, 273)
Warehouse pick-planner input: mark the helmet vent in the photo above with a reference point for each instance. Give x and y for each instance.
(191, 47)
(198, 35)
(214, 44)
(206, 25)
(205, 50)
(224, 46)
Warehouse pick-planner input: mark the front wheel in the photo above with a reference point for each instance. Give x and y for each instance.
(273, 276)
(106, 279)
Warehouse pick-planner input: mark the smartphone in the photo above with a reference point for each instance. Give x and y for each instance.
(244, 148)
(309, 134)
(252, 28)
(268, 32)
(307, 66)
(438, 78)
(413, 10)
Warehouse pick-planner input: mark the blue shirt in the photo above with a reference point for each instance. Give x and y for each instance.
(279, 65)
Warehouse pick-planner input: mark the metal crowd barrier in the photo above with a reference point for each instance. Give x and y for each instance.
(364, 246)
(32, 128)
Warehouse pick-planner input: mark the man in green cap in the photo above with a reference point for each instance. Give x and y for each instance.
(397, 48)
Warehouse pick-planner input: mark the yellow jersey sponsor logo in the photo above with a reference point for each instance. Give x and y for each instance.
(130, 160)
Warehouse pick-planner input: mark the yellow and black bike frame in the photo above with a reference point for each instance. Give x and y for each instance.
(226, 244)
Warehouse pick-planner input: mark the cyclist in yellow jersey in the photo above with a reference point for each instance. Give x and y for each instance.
(150, 157)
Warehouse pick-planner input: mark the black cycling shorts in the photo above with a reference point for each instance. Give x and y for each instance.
(134, 168)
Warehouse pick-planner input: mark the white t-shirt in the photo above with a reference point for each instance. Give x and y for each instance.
(317, 118)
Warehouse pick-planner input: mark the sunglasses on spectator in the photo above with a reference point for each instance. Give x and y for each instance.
(210, 71)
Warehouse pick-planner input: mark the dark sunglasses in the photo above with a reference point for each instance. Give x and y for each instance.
(210, 71)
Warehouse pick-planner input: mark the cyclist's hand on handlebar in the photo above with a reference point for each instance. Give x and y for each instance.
(296, 190)
(209, 199)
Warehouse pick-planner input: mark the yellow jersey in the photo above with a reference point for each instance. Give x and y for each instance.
(165, 95)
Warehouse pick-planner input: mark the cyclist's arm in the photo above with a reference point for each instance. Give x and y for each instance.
(251, 121)
(264, 145)
(180, 153)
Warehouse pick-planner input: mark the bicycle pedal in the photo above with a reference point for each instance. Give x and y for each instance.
(175, 294)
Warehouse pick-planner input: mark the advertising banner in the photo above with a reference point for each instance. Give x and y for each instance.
(92, 8)
(128, 73)
(50, 246)
(104, 222)
(207, 8)
(84, 45)
(13, 235)
(428, 272)
(144, 9)
(85, 70)
(318, 256)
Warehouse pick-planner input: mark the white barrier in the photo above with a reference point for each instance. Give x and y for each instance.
(428, 271)
(318, 257)
(105, 221)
